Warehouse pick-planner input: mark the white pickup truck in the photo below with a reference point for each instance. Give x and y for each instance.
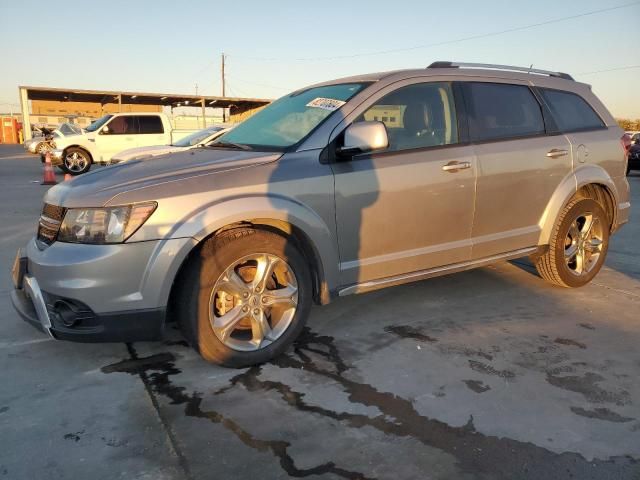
(111, 134)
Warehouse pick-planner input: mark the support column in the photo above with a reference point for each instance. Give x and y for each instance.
(204, 118)
(119, 103)
(26, 118)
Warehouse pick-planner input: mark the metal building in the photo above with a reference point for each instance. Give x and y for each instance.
(235, 109)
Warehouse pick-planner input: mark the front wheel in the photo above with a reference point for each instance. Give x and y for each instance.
(76, 161)
(42, 148)
(578, 246)
(244, 297)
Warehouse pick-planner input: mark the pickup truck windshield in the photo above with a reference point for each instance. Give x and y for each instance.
(289, 119)
(98, 123)
(69, 129)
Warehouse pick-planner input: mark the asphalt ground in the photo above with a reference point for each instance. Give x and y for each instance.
(486, 374)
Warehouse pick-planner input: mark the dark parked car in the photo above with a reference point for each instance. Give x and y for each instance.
(634, 157)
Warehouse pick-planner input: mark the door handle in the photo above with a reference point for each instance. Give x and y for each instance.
(557, 152)
(455, 166)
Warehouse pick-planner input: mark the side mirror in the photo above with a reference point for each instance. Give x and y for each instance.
(104, 129)
(362, 137)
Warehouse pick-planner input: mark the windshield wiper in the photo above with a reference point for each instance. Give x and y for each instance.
(237, 146)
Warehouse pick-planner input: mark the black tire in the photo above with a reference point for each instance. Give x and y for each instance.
(67, 168)
(199, 277)
(552, 265)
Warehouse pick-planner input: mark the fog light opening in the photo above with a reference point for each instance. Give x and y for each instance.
(66, 312)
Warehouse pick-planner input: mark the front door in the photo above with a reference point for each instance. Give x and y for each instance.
(408, 208)
(121, 134)
(519, 166)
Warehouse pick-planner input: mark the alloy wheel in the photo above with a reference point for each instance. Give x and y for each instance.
(583, 244)
(75, 162)
(253, 302)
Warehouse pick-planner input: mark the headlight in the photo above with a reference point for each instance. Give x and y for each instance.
(104, 225)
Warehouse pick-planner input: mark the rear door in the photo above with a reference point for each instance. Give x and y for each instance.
(151, 131)
(520, 165)
(591, 140)
(408, 208)
(121, 134)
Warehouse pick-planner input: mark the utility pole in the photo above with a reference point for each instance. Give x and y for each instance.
(224, 112)
(222, 74)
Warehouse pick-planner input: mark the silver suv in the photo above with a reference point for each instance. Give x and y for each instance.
(339, 188)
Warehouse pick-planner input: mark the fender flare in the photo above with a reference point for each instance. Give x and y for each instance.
(581, 176)
(200, 224)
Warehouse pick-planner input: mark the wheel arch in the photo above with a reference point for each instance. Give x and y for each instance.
(588, 181)
(80, 147)
(282, 216)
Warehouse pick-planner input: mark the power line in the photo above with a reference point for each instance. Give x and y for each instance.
(248, 82)
(629, 67)
(448, 42)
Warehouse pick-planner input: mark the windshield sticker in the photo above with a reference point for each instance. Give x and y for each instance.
(330, 104)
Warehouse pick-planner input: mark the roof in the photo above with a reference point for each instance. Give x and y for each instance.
(441, 69)
(143, 98)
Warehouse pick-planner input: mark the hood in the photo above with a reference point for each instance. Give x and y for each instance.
(96, 188)
(131, 153)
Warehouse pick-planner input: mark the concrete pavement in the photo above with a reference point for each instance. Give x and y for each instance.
(487, 374)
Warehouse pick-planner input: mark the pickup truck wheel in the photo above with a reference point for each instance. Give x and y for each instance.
(244, 297)
(42, 148)
(76, 161)
(578, 246)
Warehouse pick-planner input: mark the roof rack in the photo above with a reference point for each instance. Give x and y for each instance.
(566, 76)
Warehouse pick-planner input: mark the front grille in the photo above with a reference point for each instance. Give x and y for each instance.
(49, 223)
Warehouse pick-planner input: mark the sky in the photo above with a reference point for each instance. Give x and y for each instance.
(277, 46)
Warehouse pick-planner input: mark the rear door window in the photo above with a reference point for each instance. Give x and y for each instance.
(150, 124)
(570, 111)
(501, 111)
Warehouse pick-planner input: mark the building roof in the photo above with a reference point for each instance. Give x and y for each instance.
(142, 98)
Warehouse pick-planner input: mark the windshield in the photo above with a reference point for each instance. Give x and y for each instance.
(98, 123)
(289, 119)
(69, 129)
(197, 137)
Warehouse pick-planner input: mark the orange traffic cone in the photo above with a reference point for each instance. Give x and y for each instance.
(49, 177)
(67, 177)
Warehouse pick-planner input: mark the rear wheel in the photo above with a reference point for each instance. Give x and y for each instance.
(76, 161)
(578, 245)
(244, 298)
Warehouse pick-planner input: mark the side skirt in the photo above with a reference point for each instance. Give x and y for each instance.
(433, 272)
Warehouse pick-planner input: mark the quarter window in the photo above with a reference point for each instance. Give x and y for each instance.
(417, 116)
(570, 111)
(150, 124)
(498, 111)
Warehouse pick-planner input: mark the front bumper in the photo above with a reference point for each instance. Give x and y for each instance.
(132, 326)
(98, 293)
(30, 305)
(57, 155)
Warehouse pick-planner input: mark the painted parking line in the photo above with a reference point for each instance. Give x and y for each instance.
(12, 157)
(26, 342)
